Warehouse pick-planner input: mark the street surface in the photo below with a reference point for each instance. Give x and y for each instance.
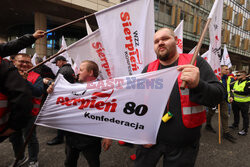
(211, 153)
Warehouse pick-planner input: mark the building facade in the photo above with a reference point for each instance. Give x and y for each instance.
(235, 26)
(20, 17)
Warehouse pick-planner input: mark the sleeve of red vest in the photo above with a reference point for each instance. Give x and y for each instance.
(19, 97)
(209, 91)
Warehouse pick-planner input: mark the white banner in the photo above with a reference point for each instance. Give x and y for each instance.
(215, 28)
(193, 50)
(127, 32)
(91, 48)
(89, 30)
(207, 56)
(65, 54)
(126, 108)
(225, 60)
(179, 33)
(33, 59)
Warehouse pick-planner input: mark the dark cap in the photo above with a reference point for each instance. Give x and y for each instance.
(59, 58)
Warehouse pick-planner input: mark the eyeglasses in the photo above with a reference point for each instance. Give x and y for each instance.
(23, 62)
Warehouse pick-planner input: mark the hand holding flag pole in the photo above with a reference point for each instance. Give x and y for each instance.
(197, 49)
(61, 26)
(211, 14)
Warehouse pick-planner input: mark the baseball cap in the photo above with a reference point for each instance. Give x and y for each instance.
(59, 58)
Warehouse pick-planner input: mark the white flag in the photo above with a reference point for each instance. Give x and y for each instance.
(225, 58)
(89, 30)
(207, 56)
(215, 28)
(91, 48)
(126, 108)
(23, 51)
(127, 33)
(193, 50)
(179, 33)
(33, 60)
(65, 54)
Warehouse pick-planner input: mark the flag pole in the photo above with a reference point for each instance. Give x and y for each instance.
(51, 57)
(69, 23)
(219, 123)
(197, 49)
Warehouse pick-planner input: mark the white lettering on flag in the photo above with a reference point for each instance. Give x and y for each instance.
(128, 38)
(179, 33)
(127, 108)
(225, 58)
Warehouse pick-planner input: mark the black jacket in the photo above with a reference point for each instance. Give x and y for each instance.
(13, 47)
(19, 95)
(45, 71)
(209, 92)
(67, 72)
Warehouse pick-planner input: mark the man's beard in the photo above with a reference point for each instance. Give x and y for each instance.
(163, 57)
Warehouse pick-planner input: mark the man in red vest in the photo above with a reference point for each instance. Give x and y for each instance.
(15, 100)
(15, 96)
(35, 83)
(178, 138)
(76, 143)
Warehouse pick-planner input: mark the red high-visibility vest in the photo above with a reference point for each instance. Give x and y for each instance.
(193, 114)
(32, 77)
(4, 112)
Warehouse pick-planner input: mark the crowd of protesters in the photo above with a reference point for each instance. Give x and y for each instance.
(21, 90)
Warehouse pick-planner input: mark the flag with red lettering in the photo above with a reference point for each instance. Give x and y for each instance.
(127, 32)
(225, 60)
(179, 33)
(215, 36)
(124, 108)
(91, 48)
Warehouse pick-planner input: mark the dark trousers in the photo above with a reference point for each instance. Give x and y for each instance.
(60, 134)
(91, 153)
(243, 108)
(17, 141)
(172, 156)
